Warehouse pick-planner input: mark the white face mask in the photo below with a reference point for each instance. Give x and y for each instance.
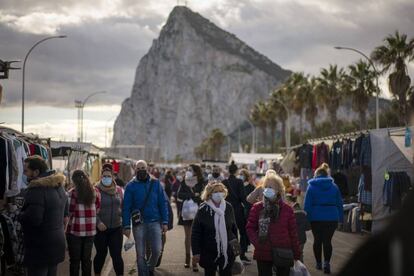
(269, 193)
(191, 181)
(217, 197)
(180, 178)
(188, 174)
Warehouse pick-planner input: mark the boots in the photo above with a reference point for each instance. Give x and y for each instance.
(195, 267)
(327, 268)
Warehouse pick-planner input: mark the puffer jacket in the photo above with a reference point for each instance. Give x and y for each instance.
(282, 233)
(323, 201)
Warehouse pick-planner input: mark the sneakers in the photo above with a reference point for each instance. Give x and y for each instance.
(327, 268)
(245, 260)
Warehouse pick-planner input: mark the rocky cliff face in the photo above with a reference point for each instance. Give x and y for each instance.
(194, 78)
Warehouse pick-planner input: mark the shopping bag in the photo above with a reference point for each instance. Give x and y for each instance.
(299, 269)
(129, 243)
(238, 267)
(189, 209)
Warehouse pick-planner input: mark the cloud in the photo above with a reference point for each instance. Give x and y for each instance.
(106, 38)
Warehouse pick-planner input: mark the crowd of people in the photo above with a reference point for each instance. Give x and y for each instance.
(231, 207)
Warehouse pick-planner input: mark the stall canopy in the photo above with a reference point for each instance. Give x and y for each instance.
(251, 158)
(389, 154)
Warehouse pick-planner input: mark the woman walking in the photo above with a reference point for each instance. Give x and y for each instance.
(214, 228)
(190, 189)
(324, 207)
(84, 204)
(272, 230)
(109, 223)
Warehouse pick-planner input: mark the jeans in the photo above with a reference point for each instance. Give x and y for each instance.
(323, 232)
(42, 270)
(266, 269)
(151, 233)
(80, 251)
(112, 239)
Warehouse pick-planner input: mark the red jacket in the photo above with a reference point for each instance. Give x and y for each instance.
(282, 233)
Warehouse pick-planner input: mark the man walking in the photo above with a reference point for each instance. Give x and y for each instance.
(42, 218)
(145, 205)
(237, 199)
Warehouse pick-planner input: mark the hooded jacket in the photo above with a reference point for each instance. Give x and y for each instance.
(323, 201)
(42, 220)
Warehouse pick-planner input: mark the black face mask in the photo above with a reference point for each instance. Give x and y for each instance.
(142, 175)
(216, 175)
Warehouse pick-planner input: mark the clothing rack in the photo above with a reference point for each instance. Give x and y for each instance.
(339, 136)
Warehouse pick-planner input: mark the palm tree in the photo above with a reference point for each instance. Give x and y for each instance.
(311, 106)
(393, 56)
(297, 84)
(281, 95)
(330, 91)
(272, 123)
(258, 116)
(216, 140)
(361, 87)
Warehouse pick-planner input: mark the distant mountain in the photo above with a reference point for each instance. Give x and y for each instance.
(194, 78)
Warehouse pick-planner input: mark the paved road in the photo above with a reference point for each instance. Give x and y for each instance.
(173, 260)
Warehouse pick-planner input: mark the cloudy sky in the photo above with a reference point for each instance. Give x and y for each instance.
(107, 38)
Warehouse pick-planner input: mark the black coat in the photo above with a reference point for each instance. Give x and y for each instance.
(203, 237)
(186, 193)
(236, 198)
(42, 221)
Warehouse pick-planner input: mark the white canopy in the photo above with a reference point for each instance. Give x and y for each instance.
(251, 158)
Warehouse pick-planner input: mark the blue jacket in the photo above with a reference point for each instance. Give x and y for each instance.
(156, 209)
(323, 201)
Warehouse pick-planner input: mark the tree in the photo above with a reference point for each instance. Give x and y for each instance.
(279, 99)
(258, 116)
(217, 140)
(393, 56)
(297, 85)
(361, 87)
(311, 106)
(330, 91)
(272, 123)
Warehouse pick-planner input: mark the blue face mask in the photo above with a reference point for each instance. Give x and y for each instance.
(217, 197)
(242, 178)
(269, 193)
(106, 181)
(24, 179)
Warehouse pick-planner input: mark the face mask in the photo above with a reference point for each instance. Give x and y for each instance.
(269, 193)
(217, 197)
(142, 175)
(188, 174)
(242, 177)
(106, 181)
(191, 181)
(216, 175)
(24, 179)
(180, 178)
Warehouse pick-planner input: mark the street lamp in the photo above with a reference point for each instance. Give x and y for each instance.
(24, 69)
(376, 73)
(107, 130)
(80, 105)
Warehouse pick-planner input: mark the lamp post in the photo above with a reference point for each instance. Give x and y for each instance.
(81, 105)
(24, 69)
(107, 130)
(377, 122)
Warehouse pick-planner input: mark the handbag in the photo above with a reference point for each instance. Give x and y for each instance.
(235, 247)
(283, 257)
(136, 216)
(189, 210)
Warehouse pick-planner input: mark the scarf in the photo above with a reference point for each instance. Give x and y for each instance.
(111, 190)
(270, 213)
(221, 229)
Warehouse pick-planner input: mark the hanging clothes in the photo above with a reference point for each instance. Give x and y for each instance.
(305, 155)
(341, 181)
(364, 197)
(336, 156)
(396, 187)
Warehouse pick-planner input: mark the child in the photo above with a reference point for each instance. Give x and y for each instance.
(302, 222)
